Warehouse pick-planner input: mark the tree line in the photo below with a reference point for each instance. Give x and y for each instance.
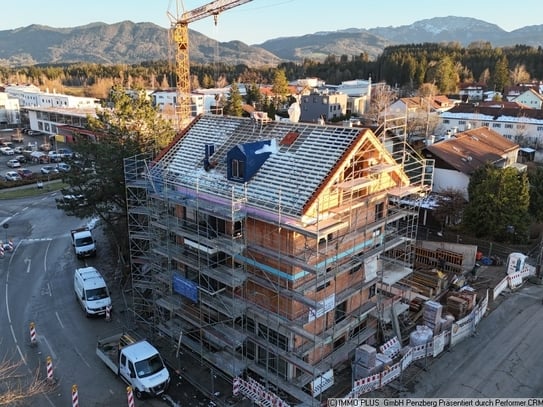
(405, 67)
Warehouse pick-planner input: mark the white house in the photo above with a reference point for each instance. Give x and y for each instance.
(514, 121)
(459, 155)
(530, 98)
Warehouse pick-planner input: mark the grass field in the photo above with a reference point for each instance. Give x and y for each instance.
(31, 190)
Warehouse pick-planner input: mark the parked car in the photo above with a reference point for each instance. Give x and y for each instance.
(54, 156)
(65, 152)
(48, 169)
(63, 167)
(25, 173)
(12, 176)
(13, 163)
(45, 147)
(21, 158)
(7, 150)
(18, 149)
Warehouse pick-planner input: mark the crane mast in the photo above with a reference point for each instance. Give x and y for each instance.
(180, 36)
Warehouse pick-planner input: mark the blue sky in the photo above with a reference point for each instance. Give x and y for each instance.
(260, 20)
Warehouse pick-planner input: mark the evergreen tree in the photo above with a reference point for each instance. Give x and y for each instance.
(536, 193)
(234, 104)
(498, 204)
(499, 78)
(280, 86)
(127, 127)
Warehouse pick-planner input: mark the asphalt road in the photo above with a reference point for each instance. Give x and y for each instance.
(37, 279)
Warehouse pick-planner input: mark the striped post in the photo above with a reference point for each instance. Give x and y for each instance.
(49, 369)
(1, 249)
(10, 245)
(108, 313)
(32, 333)
(130, 396)
(75, 396)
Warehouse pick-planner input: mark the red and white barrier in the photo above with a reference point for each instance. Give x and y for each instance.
(75, 396)
(33, 339)
(10, 245)
(108, 313)
(130, 396)
(49, 369)
(1, 249)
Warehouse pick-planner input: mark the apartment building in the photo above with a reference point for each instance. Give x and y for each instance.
(271, 249)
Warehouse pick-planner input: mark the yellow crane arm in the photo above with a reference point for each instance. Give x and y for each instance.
(180, 33)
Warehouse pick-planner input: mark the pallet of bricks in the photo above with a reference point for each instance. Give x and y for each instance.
(461, 303)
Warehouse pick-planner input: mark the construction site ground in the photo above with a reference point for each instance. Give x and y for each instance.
(497, 361)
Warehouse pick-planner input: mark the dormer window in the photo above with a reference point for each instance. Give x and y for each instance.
(238, 169)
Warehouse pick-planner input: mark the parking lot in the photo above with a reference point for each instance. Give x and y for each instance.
(30, 156)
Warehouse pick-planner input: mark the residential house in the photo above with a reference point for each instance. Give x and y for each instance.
(270, 249)
(510, 119)
(471, 92)
(421, 113)
(322, 106)
(531, 99)
(459, 155)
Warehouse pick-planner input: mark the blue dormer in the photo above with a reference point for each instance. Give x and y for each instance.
(244, 160)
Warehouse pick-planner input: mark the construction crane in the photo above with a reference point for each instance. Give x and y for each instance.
(180, 35)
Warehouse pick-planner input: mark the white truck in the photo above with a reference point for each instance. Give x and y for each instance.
(83, 242)
(138, 363)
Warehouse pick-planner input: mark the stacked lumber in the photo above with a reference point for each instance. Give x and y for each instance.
(428, 282)
(432, 315)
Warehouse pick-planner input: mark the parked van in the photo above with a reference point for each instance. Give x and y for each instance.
(91, 291)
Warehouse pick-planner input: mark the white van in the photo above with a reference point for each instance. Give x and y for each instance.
(91, 291)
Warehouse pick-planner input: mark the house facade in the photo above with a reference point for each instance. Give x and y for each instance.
(513, 121)
(460, 154)
(322, 105)
(269, 249)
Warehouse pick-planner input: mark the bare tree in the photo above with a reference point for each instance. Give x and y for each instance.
(17, 388)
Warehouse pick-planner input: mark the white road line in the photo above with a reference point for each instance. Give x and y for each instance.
(59, 320)
(82, 358)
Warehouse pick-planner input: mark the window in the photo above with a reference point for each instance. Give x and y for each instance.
(486, 124)
(372, 291)
(508, 126)
(496, 125)
(446, 121)
(340, 312)
(323, 286)
(539, 128)
(461, 122)
(238, 169)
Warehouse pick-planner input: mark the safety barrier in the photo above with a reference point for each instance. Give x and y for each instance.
(130, 396)
(108, 313)
(253, 390)
(391, 348)
(75, 396)
(33, 339)
(49, 369)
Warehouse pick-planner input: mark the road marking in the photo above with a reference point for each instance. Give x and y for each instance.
(81, 356)
(59, 321)
(28, 262)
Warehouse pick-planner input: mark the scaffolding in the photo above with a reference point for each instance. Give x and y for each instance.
(282, 275)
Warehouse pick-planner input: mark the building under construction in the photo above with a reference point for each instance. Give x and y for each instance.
(271, 249)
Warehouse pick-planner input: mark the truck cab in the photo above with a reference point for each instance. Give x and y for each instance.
(138, 363)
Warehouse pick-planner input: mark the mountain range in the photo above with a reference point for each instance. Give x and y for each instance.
(130, 43)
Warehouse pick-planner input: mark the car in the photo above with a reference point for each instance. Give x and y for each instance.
(13, 163)
(25, 173)
(12, 176)
(63, 167)
(7, 150)
(48, 169)
(65, 152)
(54, 156)
(18, 149)
(20, 158)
